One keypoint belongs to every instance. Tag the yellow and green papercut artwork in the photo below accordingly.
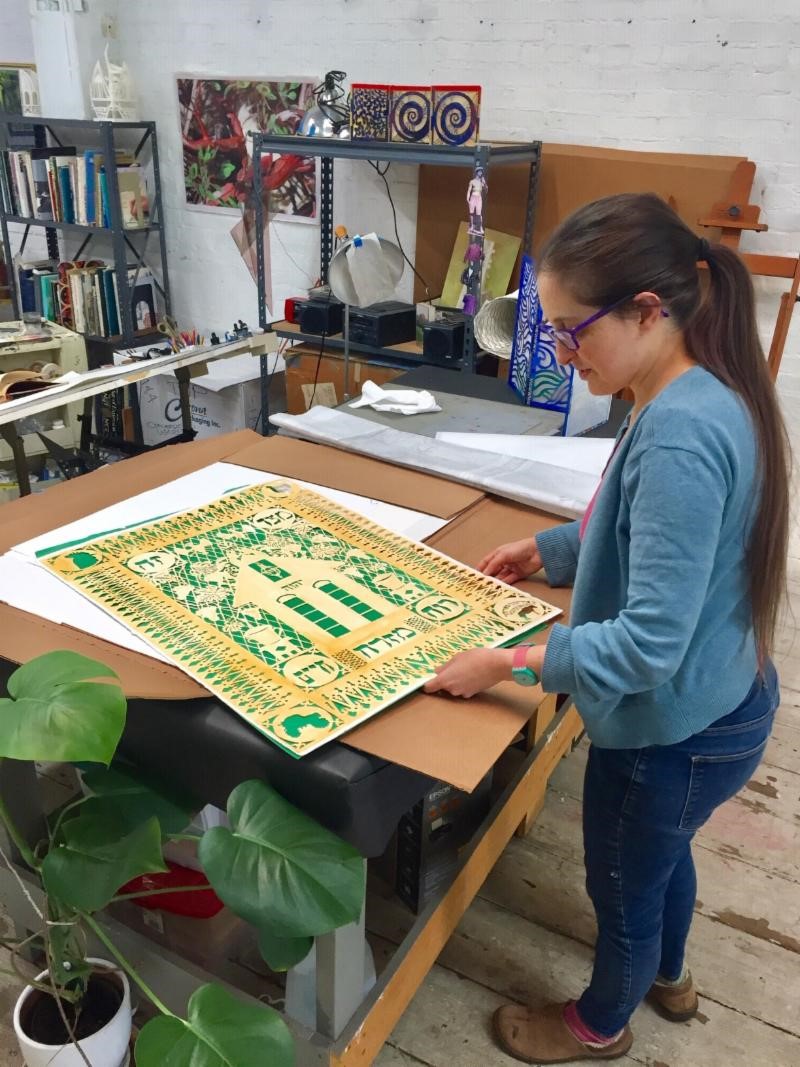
(303, 617)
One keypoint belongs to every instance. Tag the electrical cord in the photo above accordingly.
(319, 357)
(276, 231)
(382, 174)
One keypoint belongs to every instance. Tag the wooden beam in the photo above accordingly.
(788, 301)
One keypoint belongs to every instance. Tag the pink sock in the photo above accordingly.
(579, 1029)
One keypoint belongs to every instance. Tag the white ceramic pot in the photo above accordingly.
(109, 1047)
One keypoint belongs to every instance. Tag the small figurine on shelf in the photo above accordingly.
(215, 339)
(476, 190)
(239, 330)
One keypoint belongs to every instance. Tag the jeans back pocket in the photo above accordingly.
(715, 779)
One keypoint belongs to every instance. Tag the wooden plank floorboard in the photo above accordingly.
(495, 956)
(448, 1025)
(736, 968)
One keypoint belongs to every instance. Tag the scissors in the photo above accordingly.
(169, 326)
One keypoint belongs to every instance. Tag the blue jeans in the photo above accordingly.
(641, 809)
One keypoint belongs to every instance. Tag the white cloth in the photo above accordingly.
(401, 401)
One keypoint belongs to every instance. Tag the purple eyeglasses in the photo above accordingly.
(567, 337)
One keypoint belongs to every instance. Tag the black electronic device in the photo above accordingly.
(432, 836)
(381, 325)
(320, 316)
(443, 341)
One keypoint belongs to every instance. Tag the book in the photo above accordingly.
(132, 196)
(112, 313)
(27, 179)
(28, 283)
(76, 299)
(65, 187)
(43, 205)
(91, 210)
(9, 190)
(20, 186)
(48, 296)
(104, 215)
(79, 190)
(100, 299)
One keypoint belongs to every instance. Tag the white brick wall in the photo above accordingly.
(717, 76)
(16, 39)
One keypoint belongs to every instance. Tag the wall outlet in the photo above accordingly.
(108, 25)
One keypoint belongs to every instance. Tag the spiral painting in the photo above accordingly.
(456, 114)
(410, 114)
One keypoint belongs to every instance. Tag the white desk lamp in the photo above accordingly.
(363, 271)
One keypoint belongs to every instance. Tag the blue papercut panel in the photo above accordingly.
(535, 374)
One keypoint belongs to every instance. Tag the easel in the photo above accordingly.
(733, 216)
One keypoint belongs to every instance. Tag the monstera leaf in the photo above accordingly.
(281, 953)
(99, 855)
(134, 799)
(57, 711)
(221, 1031)
(279, 869)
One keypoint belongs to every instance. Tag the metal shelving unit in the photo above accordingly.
(124, 244)
(482, 155)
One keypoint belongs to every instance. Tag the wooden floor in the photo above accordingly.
(529, 935)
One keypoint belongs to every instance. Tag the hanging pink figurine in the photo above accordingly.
(476, 190)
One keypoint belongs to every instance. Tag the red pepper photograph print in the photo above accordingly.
(217, 116)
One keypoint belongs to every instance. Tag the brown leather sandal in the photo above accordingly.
(541, 1036)
(677, 1003)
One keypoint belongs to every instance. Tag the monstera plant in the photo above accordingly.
(274, 867)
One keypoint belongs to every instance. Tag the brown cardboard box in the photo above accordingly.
(453, 740)
(301, 373)
(204, 941)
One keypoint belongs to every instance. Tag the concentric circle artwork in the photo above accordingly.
(410, 117)
(456, 112)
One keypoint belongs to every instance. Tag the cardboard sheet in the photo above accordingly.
(480, 524)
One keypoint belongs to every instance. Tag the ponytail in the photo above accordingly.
(634, 242)
(722, 337)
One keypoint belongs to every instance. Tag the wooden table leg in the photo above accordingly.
(14, 442)
(536, 727)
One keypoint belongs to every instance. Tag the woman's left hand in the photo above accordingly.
(471, 672)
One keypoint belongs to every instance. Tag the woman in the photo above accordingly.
(678, 568)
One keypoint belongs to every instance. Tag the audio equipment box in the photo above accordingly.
(380, 325)
(443, 341)
(320, 316)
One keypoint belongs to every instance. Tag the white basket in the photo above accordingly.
(494, 325)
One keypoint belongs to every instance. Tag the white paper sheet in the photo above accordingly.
(586, 454)
(540, 485)
(26, 585)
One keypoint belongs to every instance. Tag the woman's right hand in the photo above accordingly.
(512, 562)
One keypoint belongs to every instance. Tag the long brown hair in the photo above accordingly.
(632, 243)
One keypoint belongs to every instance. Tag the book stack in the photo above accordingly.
(65, 185)
(85, 296)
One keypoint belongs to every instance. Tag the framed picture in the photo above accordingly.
(19, 89)
(217, 116)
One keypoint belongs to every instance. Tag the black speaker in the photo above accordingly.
(443, 341)
(320, 316)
